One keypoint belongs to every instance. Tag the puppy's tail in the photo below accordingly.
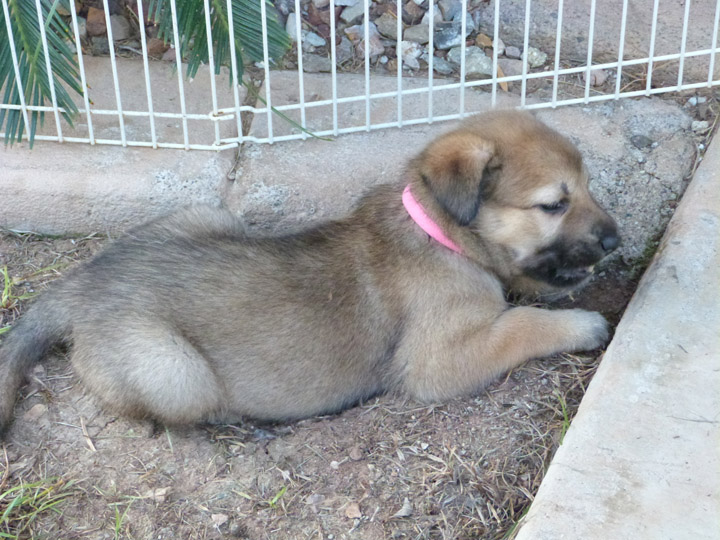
(45, 323)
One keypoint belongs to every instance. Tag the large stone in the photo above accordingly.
(419, 34)
(447, 34)
(387, 25)
(95, 22)
(120, 27)
(477, 64)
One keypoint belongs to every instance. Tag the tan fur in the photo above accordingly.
(188, 319)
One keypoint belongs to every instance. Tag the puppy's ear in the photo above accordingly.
(453, 168)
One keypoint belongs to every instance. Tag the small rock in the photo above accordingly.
(156, 47)
(536, 57)
(387, 25)
(96, 22)
(513, 52)
(334, 465)
(447, 35)
(99, 46)
(641, 141)
(384, 59)
(477, 64)
(314, 499)
(352, 511)
(120, 27)
(35, 412)
(435, 13)
(169, 55)
(699, 126)
(695, 100)
(419, 34)
(411, 51)
(285, 7)
(510, 67)
(347, 2)
(344, 51)
(442, 66)
(412, 13)
(483, 40)
(597, 77)
(82, 27)
(357, 35)
(313, 39)
(353, 14)
(320, 3)
(469, 23)
(356, 453)
(291, 26)
(450, 9)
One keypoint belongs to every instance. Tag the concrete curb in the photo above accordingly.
(641, 458)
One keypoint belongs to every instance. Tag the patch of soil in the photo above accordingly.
(390, 468)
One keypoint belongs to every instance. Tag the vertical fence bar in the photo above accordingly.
(621, 49)
(431, 58)
(211, 66)
(81, 65)
(266, 65)
(16, 67)
(711, 70)
(558, 45)
(301, 74)
(496, 40)
(333, 68)
(178, 64)
(683, 45)
(398, 55)
(651, 53)
(366, 28)
(146, 67)
(526, 44)
(463, 46)
(116, 82)
(233, 69)
(591, 37)
(48, 67)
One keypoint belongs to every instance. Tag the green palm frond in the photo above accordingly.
(247, 31)
(31, 61)
(193, 47)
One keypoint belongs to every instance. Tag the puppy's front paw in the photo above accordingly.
(591, 329)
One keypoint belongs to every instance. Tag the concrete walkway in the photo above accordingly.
(641, 460)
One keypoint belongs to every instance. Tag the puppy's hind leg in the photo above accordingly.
(149, 371)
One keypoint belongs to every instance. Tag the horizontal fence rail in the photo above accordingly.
(131, 99)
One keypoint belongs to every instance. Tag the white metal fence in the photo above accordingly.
(660, 46)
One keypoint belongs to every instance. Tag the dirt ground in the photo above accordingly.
(390, 468)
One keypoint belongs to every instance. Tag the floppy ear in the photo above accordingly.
(453, 168)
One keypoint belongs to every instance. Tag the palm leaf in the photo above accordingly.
(247, 31)
(25, 30)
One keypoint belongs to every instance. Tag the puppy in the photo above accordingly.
(188, 319)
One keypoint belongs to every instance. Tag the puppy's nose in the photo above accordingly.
(609, 241)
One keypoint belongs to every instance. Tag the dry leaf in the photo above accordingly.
(406, 509)
(158, 495)
(219, 519)
(352, 511)
(503, 84)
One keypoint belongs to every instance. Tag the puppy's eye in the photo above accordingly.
(557, 207)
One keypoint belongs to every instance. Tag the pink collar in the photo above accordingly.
(419, 216)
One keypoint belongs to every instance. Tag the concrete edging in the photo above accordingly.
(641, 458)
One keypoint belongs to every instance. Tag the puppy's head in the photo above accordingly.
(521, 190)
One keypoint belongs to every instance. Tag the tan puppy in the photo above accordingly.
(187, 319)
